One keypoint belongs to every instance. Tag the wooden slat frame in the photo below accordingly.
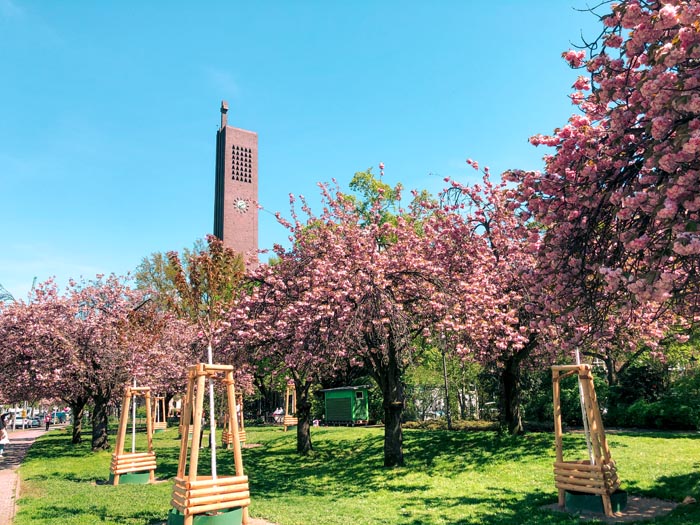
(290, 406)
(598, 478)
(193, 494)
(126, 462)
(159, 408)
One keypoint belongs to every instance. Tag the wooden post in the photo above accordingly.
(121, 432)
(556, 387)
(241, 419)
(197, 423)
(185, 421)
(187, 397)
(233, 422)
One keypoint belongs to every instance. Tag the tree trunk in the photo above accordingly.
(611, 372)
(388, 374)
(100, 424)
(393, 434)
(303, 414)
(511, 416)
(447, 392)
(168, 398)
(77, 409)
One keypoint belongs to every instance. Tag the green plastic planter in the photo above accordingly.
(584, 502)
(223, 517)
(132, 478)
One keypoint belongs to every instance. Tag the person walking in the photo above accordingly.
(47, 420)
(4, 436)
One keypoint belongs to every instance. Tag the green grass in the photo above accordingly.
(461, 478)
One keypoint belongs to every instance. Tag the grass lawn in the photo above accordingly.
(459, 478)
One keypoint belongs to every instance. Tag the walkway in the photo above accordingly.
(20, 441)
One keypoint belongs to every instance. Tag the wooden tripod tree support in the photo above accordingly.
(290, 406)
(596, 475)
(227, 434)
(194, 494)
(159, 413)
(128, 462)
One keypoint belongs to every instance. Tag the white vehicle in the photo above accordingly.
(26, 422)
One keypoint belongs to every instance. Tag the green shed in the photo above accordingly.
(348, 405)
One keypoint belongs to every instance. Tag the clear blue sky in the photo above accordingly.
(109, 110)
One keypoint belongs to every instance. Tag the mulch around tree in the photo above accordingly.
(638, 508)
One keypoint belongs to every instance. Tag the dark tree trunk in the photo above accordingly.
(77, 409)
(100, 424)
(388, 374)
(266, 393)
(511, 416)
(303, 415)
(393, 434)
(610, 365)
(167, 399)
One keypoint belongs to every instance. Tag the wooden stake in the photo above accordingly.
(558, 440)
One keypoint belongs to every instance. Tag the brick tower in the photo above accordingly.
(236, 190)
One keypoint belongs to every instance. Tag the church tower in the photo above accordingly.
(236, 189)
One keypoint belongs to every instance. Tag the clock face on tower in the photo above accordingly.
(241, 205)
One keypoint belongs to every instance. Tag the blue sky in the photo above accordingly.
(109, 110)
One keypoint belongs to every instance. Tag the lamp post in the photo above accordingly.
(447, 392)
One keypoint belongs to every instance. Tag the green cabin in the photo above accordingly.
(348, 405)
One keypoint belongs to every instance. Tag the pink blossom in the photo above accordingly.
(582, 83)
(574, 58)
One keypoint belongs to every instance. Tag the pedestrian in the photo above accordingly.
(4, 437)
(47, 420)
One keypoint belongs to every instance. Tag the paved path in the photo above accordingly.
(20, 441)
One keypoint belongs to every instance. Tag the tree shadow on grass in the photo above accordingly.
(674, 488)
(55, 446)
(503, 507)
(354, 467)
(61, 514)
(662, 434)
(456, 451)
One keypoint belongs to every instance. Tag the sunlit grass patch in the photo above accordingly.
(476, 477)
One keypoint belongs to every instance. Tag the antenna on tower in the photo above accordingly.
(224, 110)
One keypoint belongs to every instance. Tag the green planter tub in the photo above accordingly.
(583, 502)
(223, 517)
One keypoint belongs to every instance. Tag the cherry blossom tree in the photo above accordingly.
(515, 302)
(40, 352)
(161, 346)
(35, 346)
(104, 359)
(619, 199)
(77, 347)
(292, 321)
(368, 285)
